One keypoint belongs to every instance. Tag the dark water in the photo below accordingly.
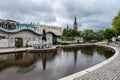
(51, 66)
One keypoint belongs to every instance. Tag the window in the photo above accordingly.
(12, 39)
(34, 39)
(25, 38)
(2, 37)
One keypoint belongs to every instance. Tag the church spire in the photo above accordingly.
(75, 26)
(75, 20)
(67, 27)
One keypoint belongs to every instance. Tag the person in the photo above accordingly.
(27, 43)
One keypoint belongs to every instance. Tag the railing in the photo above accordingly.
(41, 46)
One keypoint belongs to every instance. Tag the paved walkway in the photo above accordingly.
(110, 71)
(8, 50)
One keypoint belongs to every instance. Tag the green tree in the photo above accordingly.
(66, 32)
(69, 34)
(109, 33)
(99, 36)
(87, 35)
(75, 33)
(116, 23)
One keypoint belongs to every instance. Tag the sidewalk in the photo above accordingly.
(110, 71)
(9, 50)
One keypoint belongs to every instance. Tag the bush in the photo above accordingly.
(93, 41)
(64, 43)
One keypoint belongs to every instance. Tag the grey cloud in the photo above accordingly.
(25, 6)
(90, 13)
(19, 9)
(95, 12)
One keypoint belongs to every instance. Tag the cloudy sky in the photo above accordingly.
(91, 14)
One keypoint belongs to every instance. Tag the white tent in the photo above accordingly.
(118, 36)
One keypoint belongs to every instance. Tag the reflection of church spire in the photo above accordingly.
(75, 56)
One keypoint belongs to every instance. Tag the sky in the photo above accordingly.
(91, 14)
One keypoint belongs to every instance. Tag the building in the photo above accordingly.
(19, 38)
(54, 29)
(26, 26)
(8, 24)
(75, 25)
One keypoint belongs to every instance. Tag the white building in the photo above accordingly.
(54, 29)
(22, 37)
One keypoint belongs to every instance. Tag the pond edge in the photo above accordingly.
(78, 74)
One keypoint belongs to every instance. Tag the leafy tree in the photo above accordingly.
(109, 33)
(66, 33)
(69, 34)
(87, 35)
(99, 35)
(116, 23)
(74, 33)
(66, 38)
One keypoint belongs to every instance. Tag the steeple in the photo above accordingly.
(75, 25)
(67, 27)
(75, 22)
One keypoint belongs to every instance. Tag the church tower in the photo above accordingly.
(67, 27)
(75, 25)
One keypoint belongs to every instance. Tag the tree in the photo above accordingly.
(99, 36)
(74, 33)
(116, 23)
(109, 33)
(69, 34)
(87, 35)
(66, 32)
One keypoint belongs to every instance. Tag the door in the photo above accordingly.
(18, 42)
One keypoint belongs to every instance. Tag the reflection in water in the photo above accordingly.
(17, 59)
(75, 56)
(24, 60)
(18, 56)
(44, 57)
(74, 50)
(52, 66)
(25, 70)
(107, 52)
(88, 50)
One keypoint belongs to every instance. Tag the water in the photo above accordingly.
(51, 66)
